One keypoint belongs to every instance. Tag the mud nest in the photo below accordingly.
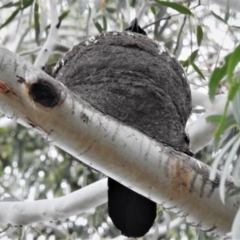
(133, 79)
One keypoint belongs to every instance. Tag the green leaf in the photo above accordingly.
(104, 23)
(10, 4)
(178, 7)
(215, 79)
(198, 70)
(111, 10)
(233, 62)
(214, 119)
(236, 107)
(157, 29)
(98, 26)
(223, 124)
(21, 5)
(218, 17)
(133, 3)
(4, 130)
(11, 17)
(193, 56)
(153, 10)
(220, 128)
(199, 35)
(63, 15)
(235, 26)
(226, 122)
(232, 92)
(227, 13)
(190, 59)
(230, 121)
(26, 3)
(36, 21)
(234, 192)
(217, 75)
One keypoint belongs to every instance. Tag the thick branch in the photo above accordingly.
(173, 179)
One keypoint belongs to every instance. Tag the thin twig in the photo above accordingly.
(158, 20)
(169, 17)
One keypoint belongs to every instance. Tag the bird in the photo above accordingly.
(134, 79)
(136, 28)
(132, 213)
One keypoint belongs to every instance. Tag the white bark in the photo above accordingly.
(23, 213)
(48, 46)
(172, 179)
(201, 132)
(7, 123)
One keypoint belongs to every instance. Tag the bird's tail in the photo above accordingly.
(130, 212)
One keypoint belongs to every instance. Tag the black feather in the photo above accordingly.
(135, 28)
(130, 212)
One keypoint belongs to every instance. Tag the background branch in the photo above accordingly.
(48, 46)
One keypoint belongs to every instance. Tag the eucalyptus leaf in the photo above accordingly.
(233, 91)
(190, 59)
(178, 7)
(10, 4)
(198, 70)
(234, 192)
(217, 75)
(218, 17)
(11, 17)
(27, 3)
(199, 35)
(36, 21)
(64, 14)
(214, 119)
(98, 26)
(111, 10)
(104, 23)
(236, 107)
(233, 62)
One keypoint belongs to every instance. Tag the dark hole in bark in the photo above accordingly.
(44, 93)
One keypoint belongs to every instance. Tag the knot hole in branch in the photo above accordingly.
(44, 93)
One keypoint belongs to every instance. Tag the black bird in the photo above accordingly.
(130, 212)
(136, 28)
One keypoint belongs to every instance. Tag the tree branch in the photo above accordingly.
(174, 180)
(201, 132)
(23, 213)
(48, 46)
